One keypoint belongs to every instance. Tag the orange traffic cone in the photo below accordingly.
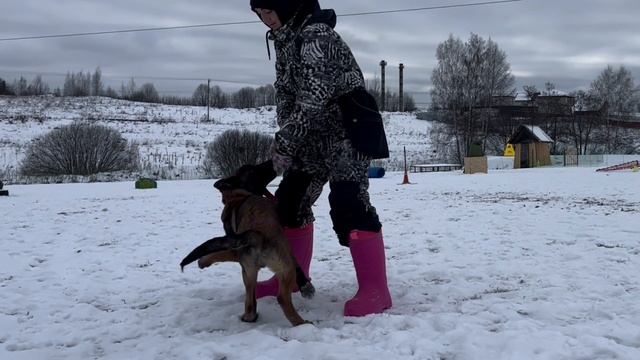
(405, 181)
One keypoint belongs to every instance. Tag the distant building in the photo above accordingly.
(532, 146)
(546, 104)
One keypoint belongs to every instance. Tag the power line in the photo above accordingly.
(145, 77)
(483, 3)
(164, 28)
(127, 31)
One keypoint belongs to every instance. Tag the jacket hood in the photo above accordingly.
(326, 16)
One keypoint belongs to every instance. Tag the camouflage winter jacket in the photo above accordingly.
(314, 67)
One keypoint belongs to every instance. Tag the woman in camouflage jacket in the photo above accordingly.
(314, 68)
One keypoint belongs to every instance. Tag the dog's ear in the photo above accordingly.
(266, 172)
(261, 175)
(224, 184)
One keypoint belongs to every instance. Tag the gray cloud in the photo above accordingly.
(567, 42)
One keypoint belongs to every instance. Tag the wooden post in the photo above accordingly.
(383, 95)
(401, 92)
(208, 97)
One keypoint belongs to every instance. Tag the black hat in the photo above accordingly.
(287, 9)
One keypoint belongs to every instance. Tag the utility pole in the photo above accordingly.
(383, 96)
(208, 97)
(401, 92)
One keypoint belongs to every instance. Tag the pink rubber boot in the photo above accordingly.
(301, 241)
(373, 297)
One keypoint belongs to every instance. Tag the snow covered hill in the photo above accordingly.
(170, 136)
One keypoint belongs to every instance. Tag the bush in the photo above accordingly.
(80, 149)
(235, 148)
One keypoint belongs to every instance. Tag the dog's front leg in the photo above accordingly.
(287, 280)
(250, 278)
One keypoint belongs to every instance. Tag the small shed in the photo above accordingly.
(532, 146)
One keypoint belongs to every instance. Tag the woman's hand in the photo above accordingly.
(280, 162)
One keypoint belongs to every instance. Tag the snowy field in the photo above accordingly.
(527, 264)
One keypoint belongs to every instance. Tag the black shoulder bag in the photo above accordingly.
(363, 122)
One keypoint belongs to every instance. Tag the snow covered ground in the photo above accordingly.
(526, 264)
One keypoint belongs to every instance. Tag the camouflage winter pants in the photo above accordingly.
(347, 173)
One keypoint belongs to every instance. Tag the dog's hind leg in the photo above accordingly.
(250, 278)
(287, 280)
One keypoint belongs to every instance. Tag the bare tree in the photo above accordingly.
(5, 89)
(549, 87)
(127, 91)
(20, 87)
(586, 119)
(110, 92)
(374, 87)
(201, 95)
(531, 91)
(77, 84)
(96, 83)
(219, 99)
(244, 98)
(37, 87)
(615, 89)
(146, 93)
(466, 80)
(265, 95)
(448, 82)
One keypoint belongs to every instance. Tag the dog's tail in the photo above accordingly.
(211, 246)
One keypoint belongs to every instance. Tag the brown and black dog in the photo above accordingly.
(255, 239)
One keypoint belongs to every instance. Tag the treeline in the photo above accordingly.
(473, 99)
(91, 84)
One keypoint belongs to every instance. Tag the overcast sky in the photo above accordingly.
(567, 42)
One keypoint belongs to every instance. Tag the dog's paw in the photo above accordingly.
(250, 318)
(304, 322)
(308, 291)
